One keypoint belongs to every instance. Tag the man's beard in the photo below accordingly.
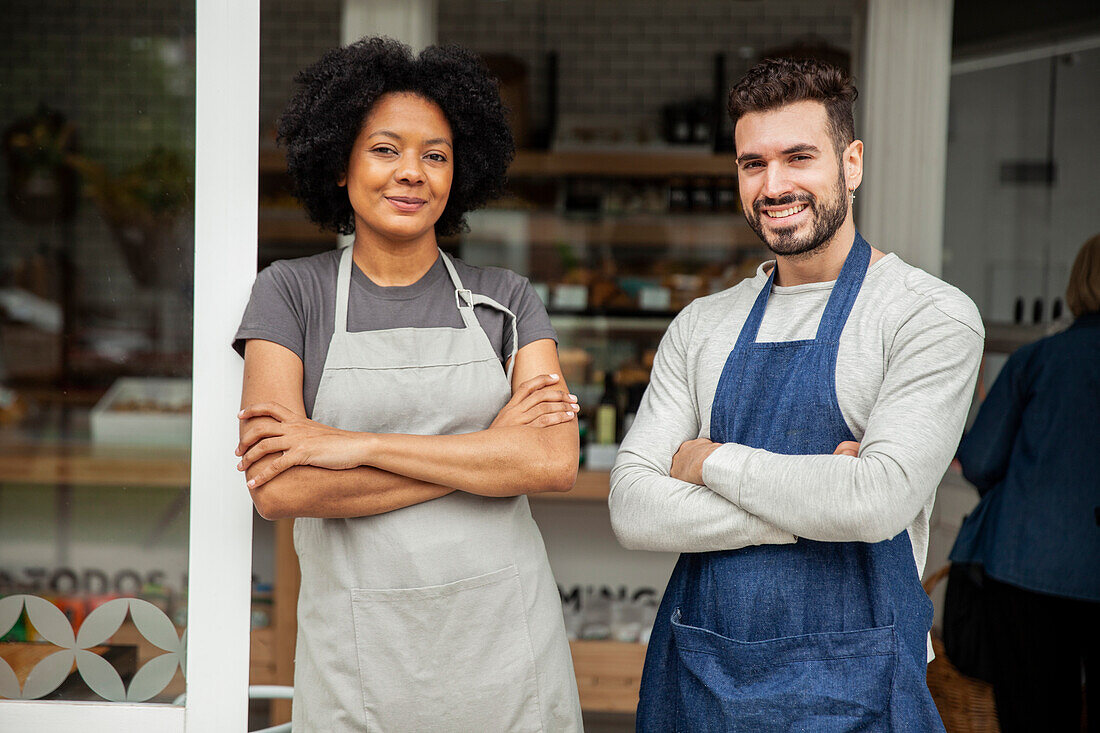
(827, 218)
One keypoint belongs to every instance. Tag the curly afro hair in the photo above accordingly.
(326, 113)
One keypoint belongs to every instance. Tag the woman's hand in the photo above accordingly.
(847, 448)
(299, 440)
(538, 403)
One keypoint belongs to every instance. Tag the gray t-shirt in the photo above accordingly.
(293, 304)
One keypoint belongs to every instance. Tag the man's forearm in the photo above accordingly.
(652, 511)
(829, 498)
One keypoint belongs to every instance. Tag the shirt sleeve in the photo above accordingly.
(274, 312)
(911, 436)
(985, 450)
(650, 510)
(532, 320)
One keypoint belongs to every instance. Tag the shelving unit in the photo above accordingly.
(624, 163)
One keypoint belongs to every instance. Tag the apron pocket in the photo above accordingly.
(835, 681)
(447, 657)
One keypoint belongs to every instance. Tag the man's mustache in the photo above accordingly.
(782, 201)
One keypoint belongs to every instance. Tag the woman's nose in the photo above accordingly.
(410, 170)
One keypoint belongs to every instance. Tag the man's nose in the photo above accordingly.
(776, 182)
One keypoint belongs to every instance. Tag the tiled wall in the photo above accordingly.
(123, 71)
(619, 62)
(293, 34)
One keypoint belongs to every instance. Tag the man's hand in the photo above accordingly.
(687, 464)
(847, 448)
(538, 403)
(299, 440)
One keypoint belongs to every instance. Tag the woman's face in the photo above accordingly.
(400, 171)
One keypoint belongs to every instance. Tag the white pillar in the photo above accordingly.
(904, 96)
(409, 21)
(227, 106)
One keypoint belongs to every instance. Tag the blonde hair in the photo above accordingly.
(1083, 291)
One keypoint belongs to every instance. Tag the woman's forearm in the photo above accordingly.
(307, 491)
(505, 461)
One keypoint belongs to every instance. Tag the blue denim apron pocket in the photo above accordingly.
(823, 682)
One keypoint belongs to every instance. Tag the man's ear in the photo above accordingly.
(853, 164)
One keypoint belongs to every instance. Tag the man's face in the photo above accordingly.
(794, 186)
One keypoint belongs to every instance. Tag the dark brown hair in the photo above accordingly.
(775, 83)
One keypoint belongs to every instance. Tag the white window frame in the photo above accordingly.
(220, 563)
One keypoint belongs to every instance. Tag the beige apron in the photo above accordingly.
(442, 616)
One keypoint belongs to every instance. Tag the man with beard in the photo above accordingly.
(790, 444)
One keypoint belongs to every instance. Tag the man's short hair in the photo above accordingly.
(775, 83)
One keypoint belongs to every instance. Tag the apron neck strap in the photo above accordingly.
(841, 299)
(466, 300)
(845, 290)
(343, 288)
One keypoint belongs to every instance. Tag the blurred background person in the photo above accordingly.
(1034, 455)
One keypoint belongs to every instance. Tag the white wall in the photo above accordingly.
(1007, 240)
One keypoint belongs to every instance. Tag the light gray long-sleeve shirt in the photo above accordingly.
(905, 373)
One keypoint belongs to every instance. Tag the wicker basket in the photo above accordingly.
(965, 704)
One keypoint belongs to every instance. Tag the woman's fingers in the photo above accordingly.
(273, 468)
(550, 413)
(261, 449)
(257, 431)
(526, 389)
(549, 396)
(552, 418)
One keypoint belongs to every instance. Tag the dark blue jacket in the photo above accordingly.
(1034, 454)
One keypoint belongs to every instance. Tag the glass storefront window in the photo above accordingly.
(97, 136)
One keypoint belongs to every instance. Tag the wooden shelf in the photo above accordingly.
(622, 164)
(642, 163)
(95, 466)
(609, 674)
(591, 486)
(727, 232)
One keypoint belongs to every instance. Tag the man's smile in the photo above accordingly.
(784, 213)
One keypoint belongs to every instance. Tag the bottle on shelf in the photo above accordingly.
(603, 438)
(607, 412)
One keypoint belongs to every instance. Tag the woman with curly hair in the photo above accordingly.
(400, 405)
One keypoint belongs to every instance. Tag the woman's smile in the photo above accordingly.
(409, 204)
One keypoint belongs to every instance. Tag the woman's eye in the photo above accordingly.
(384, 149)
(437, 157)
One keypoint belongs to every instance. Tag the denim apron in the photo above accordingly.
(442, 616)
(812, 636)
